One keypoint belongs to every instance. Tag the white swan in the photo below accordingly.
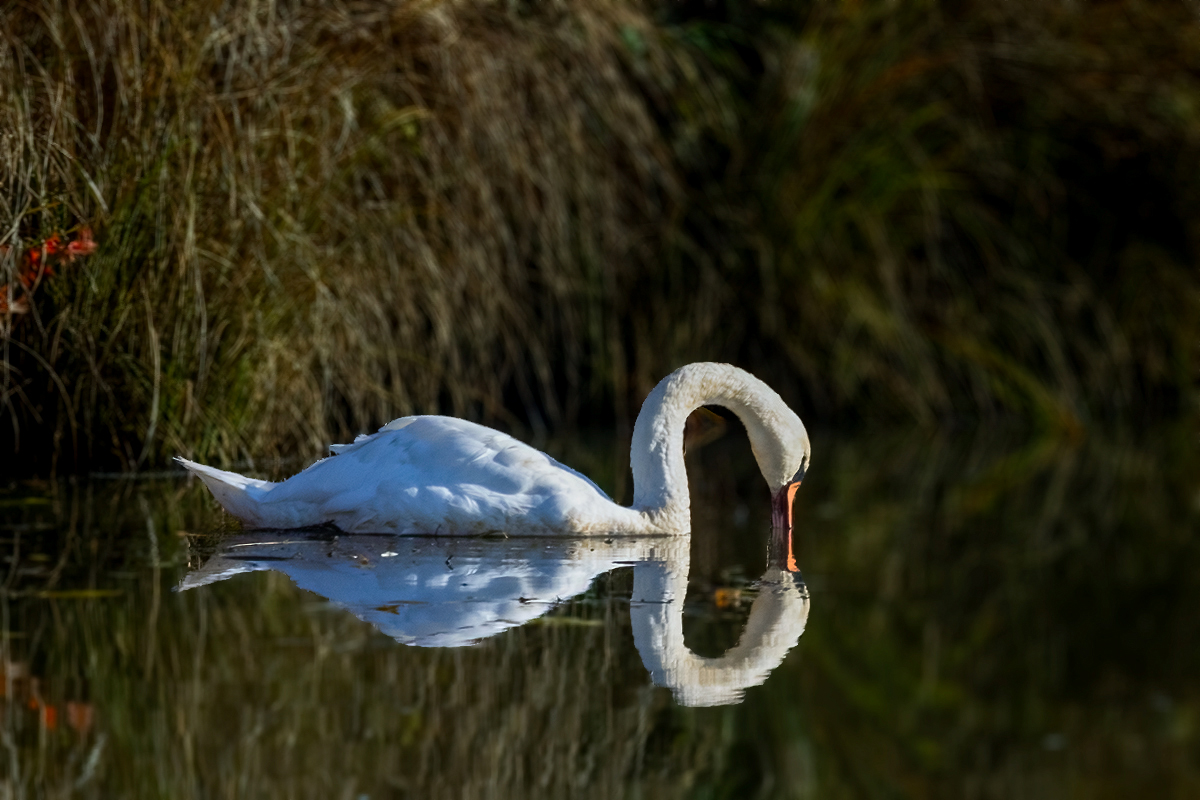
(431, 474)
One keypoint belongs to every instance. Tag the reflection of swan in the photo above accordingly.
(777, 618)
(453, 592)
(432, 474)
(432, 592)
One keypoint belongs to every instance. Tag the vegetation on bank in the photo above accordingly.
(314, 217)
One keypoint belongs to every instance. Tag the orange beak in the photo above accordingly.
(780, 553)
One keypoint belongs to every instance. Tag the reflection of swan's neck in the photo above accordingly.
(776, 434)
(776, 621)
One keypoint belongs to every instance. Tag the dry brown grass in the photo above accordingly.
(315, 218)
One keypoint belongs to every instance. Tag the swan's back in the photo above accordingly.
(433, 474)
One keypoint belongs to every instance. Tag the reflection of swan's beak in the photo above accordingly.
(780, 553)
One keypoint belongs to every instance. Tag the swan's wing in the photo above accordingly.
(490, 442)
(423, 473)
(365, 438)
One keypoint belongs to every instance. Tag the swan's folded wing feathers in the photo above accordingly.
(365, 438)
(421, 474)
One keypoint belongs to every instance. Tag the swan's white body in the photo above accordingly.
(431, 474)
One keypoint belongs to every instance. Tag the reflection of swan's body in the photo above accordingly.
(433, 592)
(454, 592)
(430, 474)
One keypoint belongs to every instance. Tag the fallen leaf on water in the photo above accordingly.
(727, 598)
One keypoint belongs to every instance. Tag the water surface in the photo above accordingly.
(989, 614)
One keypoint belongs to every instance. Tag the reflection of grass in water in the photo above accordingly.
(336, 709)
(1003, 615)
(990, 615)
(246, 688)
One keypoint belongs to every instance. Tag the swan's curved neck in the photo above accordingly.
(660, 485)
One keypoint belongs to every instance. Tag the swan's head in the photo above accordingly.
(777, 437)
(781, 448)
(784, 464)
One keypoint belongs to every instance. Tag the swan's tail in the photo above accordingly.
(239, 495)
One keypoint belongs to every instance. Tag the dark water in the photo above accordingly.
(988, 615)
